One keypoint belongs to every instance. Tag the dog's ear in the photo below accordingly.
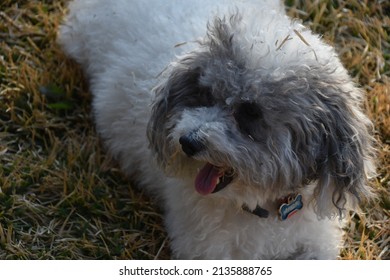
(345, 159)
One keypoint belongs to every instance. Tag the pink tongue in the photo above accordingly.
(207, 178)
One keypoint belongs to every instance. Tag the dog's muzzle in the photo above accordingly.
(210, 178)
(190, 146)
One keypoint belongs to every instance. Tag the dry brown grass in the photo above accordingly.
(61, 197)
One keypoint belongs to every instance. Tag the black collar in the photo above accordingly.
(286, 207)
(260, 212)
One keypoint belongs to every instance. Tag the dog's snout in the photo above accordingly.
(190, 146)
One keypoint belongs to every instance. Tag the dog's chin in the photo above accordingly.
(212, 179)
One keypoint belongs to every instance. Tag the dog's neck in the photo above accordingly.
(258, 211)
(286, 207)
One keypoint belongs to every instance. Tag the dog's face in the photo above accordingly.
(270, 130)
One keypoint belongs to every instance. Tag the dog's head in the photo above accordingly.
(266, 112)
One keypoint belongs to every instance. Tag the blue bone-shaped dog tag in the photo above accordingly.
(286, 210)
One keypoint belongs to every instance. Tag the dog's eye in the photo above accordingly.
(249, 111)
(204, 97)
(247, 116)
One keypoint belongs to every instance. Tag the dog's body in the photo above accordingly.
(242, 108)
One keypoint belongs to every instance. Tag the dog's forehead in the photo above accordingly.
(255, 87)
(230, 82)
(247, 65)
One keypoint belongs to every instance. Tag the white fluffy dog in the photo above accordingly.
(240, 119)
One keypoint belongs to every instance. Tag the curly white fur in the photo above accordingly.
(184, 90)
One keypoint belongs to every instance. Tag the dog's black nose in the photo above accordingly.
(190, 146)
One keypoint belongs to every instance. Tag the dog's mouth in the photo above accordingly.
(212, 179)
